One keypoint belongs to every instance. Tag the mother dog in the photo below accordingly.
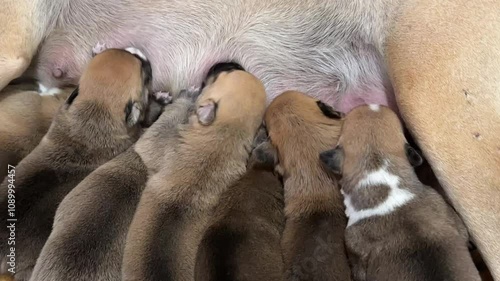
(441, 58)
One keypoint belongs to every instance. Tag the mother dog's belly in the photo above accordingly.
(324, 52)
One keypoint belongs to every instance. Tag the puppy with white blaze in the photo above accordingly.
(398, 229)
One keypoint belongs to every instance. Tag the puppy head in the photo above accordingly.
(117, 80)
(370, 135)
(300, 127)
(232, 97)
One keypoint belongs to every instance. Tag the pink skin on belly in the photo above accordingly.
(372, 95)
(168, 77)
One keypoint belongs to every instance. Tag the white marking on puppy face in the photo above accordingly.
(137, 52)
(397, 197)
(374, 107)
(44, 91)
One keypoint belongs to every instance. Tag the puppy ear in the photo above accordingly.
(333, 159)
(261, 136)
(206, 112)
(413, 156)
(133, 112)
(265, 154)
(328, 111)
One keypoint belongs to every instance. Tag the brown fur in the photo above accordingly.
(423, 239)
(243, 240)
(447, 80)
(88, 130)
(313, 240)
(445, 68)
(97, 235)
(177, 203)
(5, 277)
(25, 117)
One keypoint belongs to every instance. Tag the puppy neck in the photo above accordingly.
(378, 191)
(93, 130)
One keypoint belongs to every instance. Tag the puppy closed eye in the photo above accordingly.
(328, 111)
(333, 159)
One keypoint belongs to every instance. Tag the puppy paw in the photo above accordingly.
(163, 98)
(98, 48)
(44, 91)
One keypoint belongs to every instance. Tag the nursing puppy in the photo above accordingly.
(97, 122)
(243, 240)
(398, 228)
(91, 223)
(344, 52)
(301, 127)
(25, 117)
(212, 154)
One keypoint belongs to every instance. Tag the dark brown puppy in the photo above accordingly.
(177, 204)
(398, 228)
(25, 117)
(98, 121)
(243, 240)
(301, 127)
(91, 224)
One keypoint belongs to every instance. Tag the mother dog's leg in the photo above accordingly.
(23, 23)
(444, 60)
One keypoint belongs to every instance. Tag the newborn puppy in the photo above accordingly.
(243, 240)
(398, 228)
(99, 120)
(300, 127)
(25, 117)
(92, 222)
(178, 202)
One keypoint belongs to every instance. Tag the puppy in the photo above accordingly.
(87, 243)
(243, 240)
(177, 204)
(25, 117)
(300, 127)
(398, 228)
(99, 120)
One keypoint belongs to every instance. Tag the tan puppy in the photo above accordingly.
(177, 204)
(313, 241)
(25, 117)
(92, 221)
(243, 240)
(398, 228)
(98, 121)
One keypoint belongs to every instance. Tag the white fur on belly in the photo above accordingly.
(397, 197)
